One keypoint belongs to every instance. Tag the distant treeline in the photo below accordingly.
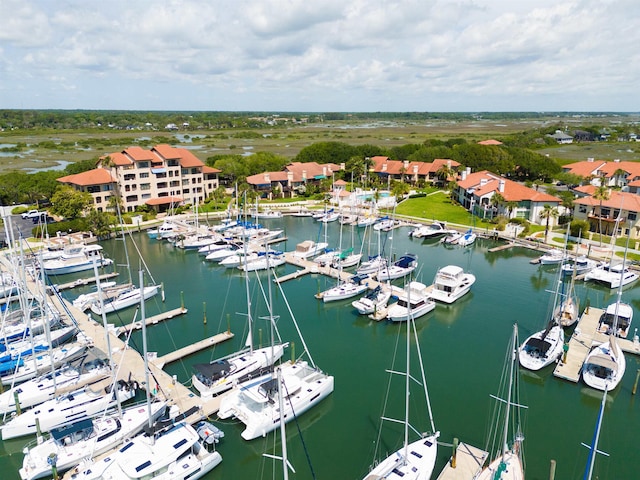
(197, 120)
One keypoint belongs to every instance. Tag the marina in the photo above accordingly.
(462, 346)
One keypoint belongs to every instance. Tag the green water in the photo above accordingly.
(463, 348)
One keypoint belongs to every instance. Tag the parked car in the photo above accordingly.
(43, 218)
(32, 214)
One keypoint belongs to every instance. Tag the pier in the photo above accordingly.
(81, 282)
(176, 312)
(584, 338)
(468, 461)
(160, 362)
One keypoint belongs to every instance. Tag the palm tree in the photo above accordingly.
(619, 175)
(511, 206)
(548, 212)
(601, 193)
(497, 201)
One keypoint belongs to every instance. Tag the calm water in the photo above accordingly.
(463, 348)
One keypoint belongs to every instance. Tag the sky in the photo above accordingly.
(321, 55)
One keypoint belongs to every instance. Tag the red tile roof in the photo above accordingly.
(163, 200)
(584, 169)
(490, 142)
(513, 191)
(207, 169)
(617, 200)
(139, 154)
(98, 176)
(167, 151)
(119, 159)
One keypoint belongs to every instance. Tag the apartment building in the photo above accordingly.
(161, 177)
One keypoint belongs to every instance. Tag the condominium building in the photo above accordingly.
(161, 177)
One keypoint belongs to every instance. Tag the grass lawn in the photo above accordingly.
(438, 206)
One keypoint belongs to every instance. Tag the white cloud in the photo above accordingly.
(330, 55)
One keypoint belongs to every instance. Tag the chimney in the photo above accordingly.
(483, 182)
(590, 159)
(415, 169)
(324, 171)
(384, 167)
(468, 170)
(448, 163)
(304, 175)
(289, 178)
(464, 175)
(501, 186)
(405, 164)
(267, 178)
(342, 166)
(617, 160)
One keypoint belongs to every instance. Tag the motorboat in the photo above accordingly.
(373, 301)
(220, 254)
(267, 214)
(452, 238)
(89, 254)
(579, 265)
(366, 220)
(255, 403)
(355, 285)
(239, 258)
(309, 248)
(612, 276)
(413, 302)
(401, 268)
(552, 257)
(435, 229)
(329, 217)
(385, 224)
(542, 348)
(451, 283)
(212, 247)
(624, 314)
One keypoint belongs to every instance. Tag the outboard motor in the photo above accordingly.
(209, 433)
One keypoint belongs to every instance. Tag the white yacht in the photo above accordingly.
(579, 265)
(271, 259)
(451, 283)
(552, 257)
(605, 366)
(309, 248)
(255, 403)
(413, 301)
(125, 298)
(435, 229)
(612, 276)
(467, 238)
(71, 263)
(373, 265)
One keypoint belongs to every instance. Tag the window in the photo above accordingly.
(174, 183)
(172, 163)
(185, 182)
(98, 200)
(582, 209)
(145, 186)
(162, 185)
(632, 216)
(130, 176)
(184, 171)
(605, 212)
(185, 190)
(146, 195)
(144, 175)
(143, 164)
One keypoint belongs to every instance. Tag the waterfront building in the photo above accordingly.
(161, 177)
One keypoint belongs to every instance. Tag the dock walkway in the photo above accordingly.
(468, 462)
(584, 338)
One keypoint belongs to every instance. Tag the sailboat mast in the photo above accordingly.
(246, 283)
(594, 443)
(514, 347)
(144, 345)
(283, 435)
(407, 377)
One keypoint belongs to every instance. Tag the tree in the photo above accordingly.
(497, 201)
(619, 176)
(69, 202)
(601, 194)
(100, 223)
(548, 212)
(398, 190)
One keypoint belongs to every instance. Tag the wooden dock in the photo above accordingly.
(502, 247)
(151, 320)
(468, 461)
(161, 361)
(85, 281)
(584, 338)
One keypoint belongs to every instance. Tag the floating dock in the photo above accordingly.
(81, 282)
(584, 338)
(468, 462)
(160, 362)
(155, 319)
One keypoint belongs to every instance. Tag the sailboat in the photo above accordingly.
(593, 448)
(545, 346)
(129, 295)
(222, 374)
(255, 402)
(508, 464)
(88, 438)
(171, 450)
(605, 365)
(414, 460)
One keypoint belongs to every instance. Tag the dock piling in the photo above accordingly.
(635, 384)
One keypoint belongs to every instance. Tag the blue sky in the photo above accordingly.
(321, 55)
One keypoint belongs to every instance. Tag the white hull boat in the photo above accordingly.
(309, 248)
(28, 368)
(125, 299)
(219, 376)
(72, 407)
(255, 403)
(372, 266)
(269, 260)
(552, 257)
(605, 366)
(86, 439)
(373, 301)
(542, 348)
(451, 283)
(624, 313)
(414, 302)
(71, 264)
(612, 276)
(177, 453)
(350, 288)
(468, 238)
(403, 267)
(238, 259)
(580, 266)
(436, 229)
